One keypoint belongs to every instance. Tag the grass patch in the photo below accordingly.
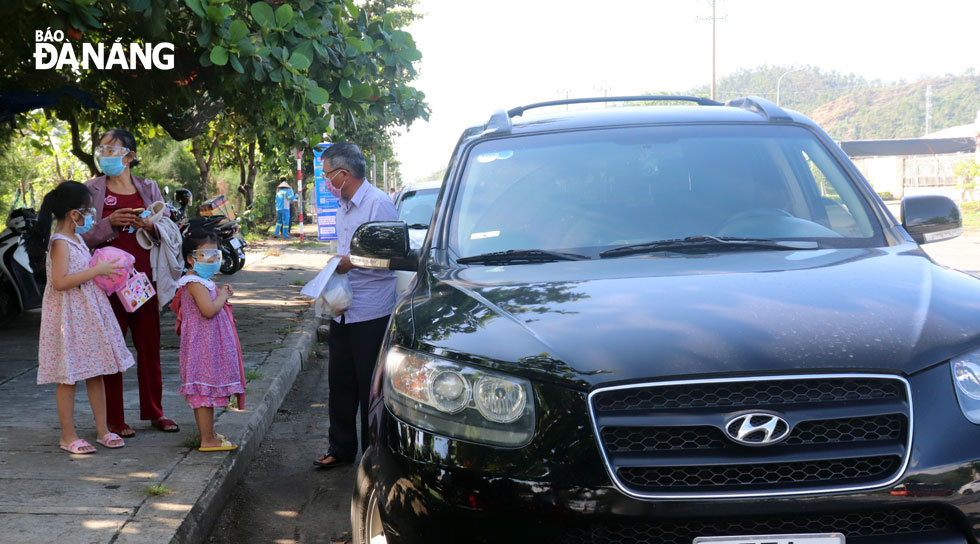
(252, 375)
(157, 490)
(273, 252)
(971, 215)
(192, 441)
(298, 283)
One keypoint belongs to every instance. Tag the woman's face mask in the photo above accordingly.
(111, 159)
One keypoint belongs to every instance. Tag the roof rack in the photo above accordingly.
(760, 106)
(518, 111)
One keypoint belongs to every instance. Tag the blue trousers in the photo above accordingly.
(282, 222)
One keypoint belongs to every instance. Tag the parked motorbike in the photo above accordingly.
(20, 287)
(230, 243)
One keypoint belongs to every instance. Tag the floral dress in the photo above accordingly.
(80, 337)
(210, 355)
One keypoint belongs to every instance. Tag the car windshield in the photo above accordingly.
(587, 192)
(416, 207)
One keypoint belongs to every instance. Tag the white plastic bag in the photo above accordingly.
(335, 299)
(332, 291)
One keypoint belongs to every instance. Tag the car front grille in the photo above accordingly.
(869, 526)
(673, 439)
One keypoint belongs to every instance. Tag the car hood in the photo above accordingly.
(674, 315)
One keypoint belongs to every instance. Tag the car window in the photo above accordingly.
(416, 207)
(592, 190)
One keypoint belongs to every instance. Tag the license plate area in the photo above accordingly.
(820, 538)
(235, 243)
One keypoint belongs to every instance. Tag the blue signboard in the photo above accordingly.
(326, 203)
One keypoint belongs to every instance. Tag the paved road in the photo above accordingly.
(47, 495)
(282, 498)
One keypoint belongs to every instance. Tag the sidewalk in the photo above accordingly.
(157, 488)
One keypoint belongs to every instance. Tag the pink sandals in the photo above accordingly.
(77, 447)
(109, 438)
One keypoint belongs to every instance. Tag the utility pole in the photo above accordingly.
(565, 92)
(604, 91)
(713, 19)
(780, 80)
(928, 109)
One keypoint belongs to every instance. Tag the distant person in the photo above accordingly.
(392, 192)
(284, 196)
(79, 337)
(355, 338)
(211, 368)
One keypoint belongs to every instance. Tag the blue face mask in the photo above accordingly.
(112, 166)
(206, 270)
(83, 228)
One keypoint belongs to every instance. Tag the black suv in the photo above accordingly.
(671, 324)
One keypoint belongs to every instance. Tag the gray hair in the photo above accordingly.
(346, 155)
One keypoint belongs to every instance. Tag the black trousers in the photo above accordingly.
(354, 350)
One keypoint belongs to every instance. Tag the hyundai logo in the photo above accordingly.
(757, 429)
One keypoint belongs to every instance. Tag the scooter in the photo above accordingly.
(20, 287)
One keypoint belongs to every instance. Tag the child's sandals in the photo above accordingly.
(79, 447)
(111, 441)
(226, 445)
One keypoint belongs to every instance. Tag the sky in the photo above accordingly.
(483, 55)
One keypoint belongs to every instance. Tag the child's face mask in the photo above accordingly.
(207, 262)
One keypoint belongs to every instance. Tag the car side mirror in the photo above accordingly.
(384, 245)
(931, 218)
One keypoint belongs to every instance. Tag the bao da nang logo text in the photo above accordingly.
(98, 56)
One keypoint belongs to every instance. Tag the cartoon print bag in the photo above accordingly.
(137, 290)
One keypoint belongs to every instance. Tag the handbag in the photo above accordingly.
(137, 290)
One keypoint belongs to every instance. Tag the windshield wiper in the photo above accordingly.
(706, 241)
(522, 255)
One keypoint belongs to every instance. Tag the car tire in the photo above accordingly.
(365, 515)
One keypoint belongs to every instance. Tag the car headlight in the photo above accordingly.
(459, 401)
(966, 376)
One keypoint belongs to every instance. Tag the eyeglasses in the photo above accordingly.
(207, 255)
(110, 151)
(86, 211)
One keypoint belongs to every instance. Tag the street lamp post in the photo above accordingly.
(780, 80)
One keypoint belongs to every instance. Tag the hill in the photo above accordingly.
(849, 107)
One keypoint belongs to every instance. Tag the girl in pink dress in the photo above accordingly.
(211, 368)
(80, 339)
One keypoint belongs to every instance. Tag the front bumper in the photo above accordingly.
(433, 489)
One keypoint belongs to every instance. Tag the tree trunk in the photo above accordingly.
(203, 164)
(76, 144)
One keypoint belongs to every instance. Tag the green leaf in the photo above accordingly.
(275, 75)
(305, 4)
(245, 46)
(345, 89)
(262, 13)
(410, 55)
(237, 30)
(317, 95)
(284, 14)
(195, 6)
(205, 59)
(215, 15)
(204, 38)
(236, 64)
(320, 50)
(304, 29)
(219, 55)
(361, 91)
(139, 5)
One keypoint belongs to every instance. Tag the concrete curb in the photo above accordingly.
(296, 351)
